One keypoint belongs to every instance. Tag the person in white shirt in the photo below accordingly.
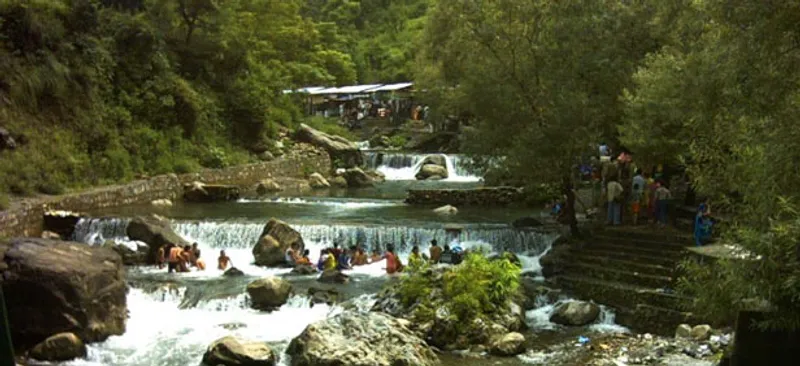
(614, 195)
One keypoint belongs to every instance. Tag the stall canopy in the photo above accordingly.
(390, 87)
(306, 90)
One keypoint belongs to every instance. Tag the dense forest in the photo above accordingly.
(103, 90)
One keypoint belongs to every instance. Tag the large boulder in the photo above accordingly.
(428, 171)
(323, 296)
(233, 272)
(439, 160)
(229, 351)
(155, 231)
(54, 286)
(303, 270)
(339, 148)
(510, 344)
(275, 239)
(129, 256)
(357, 178)
(267, 186)
(201, 192)
(317, 181)
(60, 347)
(446, 210)
(269, 293)
(333, 276)
(339, 182)
(360, 339)
(575, 313)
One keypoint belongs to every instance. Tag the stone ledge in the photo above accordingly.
(488, 196)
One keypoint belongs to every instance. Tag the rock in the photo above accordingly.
(62, 222)
(439, 160)
(510, 344)
(50, 235)
(339, 148)
(435, 177)
(129, 256)
(201, 192)
(511, 256)
(275, 239)
(446, 210)
(54, 286)
(333, 276)
(267, 186)
(339, 182)
(323, 296)
(303, 270)
(269, 293)
(60, 347)
(360, 339)
(483, 197)
(7, 141)
(357, 178)
(701, 332)
(317, 181)
(266, 156)
(683, 331)
(430, 170)
(155, 231)
(377, 177)
(233, 272)
(162, 203)
(229, 351)
(575, 313)
(526, 222)
(380, 141)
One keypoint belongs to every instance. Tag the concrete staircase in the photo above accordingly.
(632, 269)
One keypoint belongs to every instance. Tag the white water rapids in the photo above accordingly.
(404, 166)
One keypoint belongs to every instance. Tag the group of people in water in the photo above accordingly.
(182, 259)
(336, 258)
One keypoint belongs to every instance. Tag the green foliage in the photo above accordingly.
(538, 80)
(4, 201)
(108, 90)
(476, 288)
(767, 268)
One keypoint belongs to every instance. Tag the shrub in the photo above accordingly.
(4, 201)
(330, 126)
(184, 166)
(476, 288)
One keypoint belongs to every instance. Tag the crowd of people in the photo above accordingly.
(180, 259)
(337, 258)
(628, 192)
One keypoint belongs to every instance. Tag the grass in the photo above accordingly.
(330, 126)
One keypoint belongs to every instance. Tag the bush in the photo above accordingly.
(4, 201)
(185, 166)
(330, 126)
(476, 288)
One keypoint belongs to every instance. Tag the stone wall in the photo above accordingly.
(489, 196)
(26, 218)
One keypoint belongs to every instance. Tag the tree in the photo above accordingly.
(192, 12)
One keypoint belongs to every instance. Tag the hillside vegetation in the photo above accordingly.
(101, 91)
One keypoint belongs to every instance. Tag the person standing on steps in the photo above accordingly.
(662, 197)
(567, 215)
(614, 195)
(637, 191)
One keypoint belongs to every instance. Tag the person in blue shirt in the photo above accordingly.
(703, 225)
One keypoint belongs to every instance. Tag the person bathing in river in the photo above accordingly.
(393, 263)
(327, 261)
(343, 261)
(197, 262)
(415, 259)
(223, 261)
(336, 251)
(304, 260)
(376, 256)
(359, 258)
(436, 251)
(291, 256)
(174, 259)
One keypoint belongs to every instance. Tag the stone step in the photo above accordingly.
(599, 271)
(644, 318)
(623, 255)
(612, 262)
(648, 233)
(636, 242)
(616, 294)
(655, 252)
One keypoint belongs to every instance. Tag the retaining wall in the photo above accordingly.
(26, 218)
(489, 196)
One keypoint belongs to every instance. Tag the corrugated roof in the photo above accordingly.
(306, 90)
(390, 87)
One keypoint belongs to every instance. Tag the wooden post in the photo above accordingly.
(6, 348)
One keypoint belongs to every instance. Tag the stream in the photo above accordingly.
(173, 318)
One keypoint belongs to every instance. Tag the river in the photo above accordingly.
(173, 318)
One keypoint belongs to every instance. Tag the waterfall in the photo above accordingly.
(221, 235)
(404, 166)
(95, 231)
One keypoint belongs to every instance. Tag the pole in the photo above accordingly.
(6, 348)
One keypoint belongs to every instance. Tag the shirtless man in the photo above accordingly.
(160, 257)
(186, 259)
(175, 254)
(223, 261)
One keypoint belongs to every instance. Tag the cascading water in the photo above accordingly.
(404, 166)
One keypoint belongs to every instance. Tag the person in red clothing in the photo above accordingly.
(393, 263)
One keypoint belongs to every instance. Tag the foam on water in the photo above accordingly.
(539, 318)
(404, 166)
(158, 333)
(349, 204)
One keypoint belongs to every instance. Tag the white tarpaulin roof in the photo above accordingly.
(353, 89)
(307, 90)
(390, 87)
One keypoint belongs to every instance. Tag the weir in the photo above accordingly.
(403, 166)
